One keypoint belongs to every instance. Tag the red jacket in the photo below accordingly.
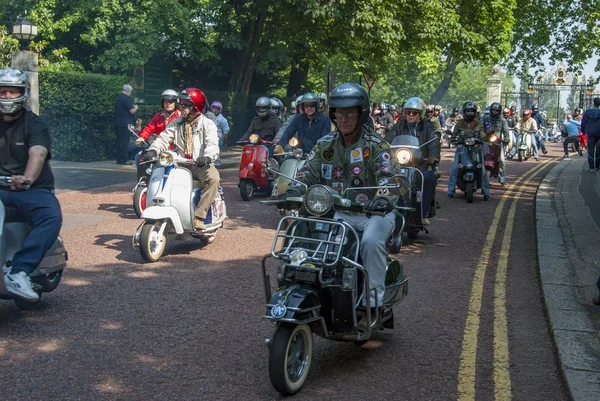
(158, 124)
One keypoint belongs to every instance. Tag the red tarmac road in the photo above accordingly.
(190, 327)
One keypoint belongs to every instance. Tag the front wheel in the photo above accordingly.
(139, 200)
(469, 191)
(152, 245)
(247, 189)
(290, 357)
(24, 304)
(521, 155)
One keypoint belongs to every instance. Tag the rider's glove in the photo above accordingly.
(148, 155)
(203, 161)
(380, 205)
(139, 142)
(432, 160)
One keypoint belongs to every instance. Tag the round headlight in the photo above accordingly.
(298, 153)
(318, 200)
(253, 139)
(403, 156)
(493, 138)
(293, 142)
(165, 159)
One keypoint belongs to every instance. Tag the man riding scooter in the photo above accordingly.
(415, 124)
(311, 125)
(265, 124)
(24, 156)
(498, 125)
(195, 137)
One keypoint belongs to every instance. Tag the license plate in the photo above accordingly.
(306, 276)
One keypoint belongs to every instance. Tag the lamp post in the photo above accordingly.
(27, 61)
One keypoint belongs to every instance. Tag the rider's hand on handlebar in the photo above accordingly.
(203, 161)
(432, 160)
(20, 182)
(148, 155)
(140, 142)
(275, 141)
(380, 205)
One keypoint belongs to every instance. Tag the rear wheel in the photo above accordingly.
(290, 356)
(247, 189)
(24, 304)
(152, 245)
(139, 200)
(50, 281)
(396, 245)
(469, 191)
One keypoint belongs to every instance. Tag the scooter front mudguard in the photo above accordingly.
(294, 304)
(164, 213)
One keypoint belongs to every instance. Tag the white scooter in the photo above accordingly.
(13, 230)
(172, 197)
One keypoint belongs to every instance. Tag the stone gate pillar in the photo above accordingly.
(27, 61)
(494, 85)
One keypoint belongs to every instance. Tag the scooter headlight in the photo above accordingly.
(298, 153)
(403, 156)
(318, 200)
(253, 139)
(165, 159)
(493, 138)
(294, 142)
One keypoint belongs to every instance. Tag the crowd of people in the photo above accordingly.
(347, 139)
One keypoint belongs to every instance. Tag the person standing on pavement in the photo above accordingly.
(195, 137)
(24, 156)
(124, 111)
(590, 126)
(572, 126)
(222, 125)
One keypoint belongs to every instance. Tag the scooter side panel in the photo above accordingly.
(163, 213)
(180, 182)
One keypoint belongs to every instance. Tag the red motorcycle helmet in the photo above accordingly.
(526, 112)
(195, 96)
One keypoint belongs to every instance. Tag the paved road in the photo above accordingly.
(472, 327)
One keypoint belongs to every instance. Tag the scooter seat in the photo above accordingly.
(14, 215)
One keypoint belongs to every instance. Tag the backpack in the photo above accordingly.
(563, 131)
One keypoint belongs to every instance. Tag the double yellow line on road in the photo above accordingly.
(468, 359)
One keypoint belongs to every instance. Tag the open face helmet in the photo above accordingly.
(349, 95)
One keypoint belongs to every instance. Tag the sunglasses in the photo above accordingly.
(186, 105)
(412, 113)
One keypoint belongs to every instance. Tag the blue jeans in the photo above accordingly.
(461, 156)
(540, 142)
(42, 210)
(534, 148)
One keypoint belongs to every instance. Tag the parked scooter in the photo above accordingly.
(172, 198)
(407, 155)
(13, 230)
(253, 173)
(469, 176)
(322, 286)
(491, 154)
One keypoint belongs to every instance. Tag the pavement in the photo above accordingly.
(78, 176)
(568, 237)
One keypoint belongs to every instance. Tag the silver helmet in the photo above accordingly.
(14, 78)
(263, 106)
(415, 103)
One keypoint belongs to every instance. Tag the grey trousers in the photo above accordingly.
(375, 232)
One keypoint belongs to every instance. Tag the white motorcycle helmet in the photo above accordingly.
(15, 78)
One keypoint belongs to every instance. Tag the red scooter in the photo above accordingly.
(253, 173)
(491, 152)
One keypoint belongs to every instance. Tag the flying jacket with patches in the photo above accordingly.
(365, 163)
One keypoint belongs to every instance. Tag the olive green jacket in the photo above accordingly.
(365, 163)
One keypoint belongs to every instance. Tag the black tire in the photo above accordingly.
(139, 200)
(469, 191)
(24, 304)
(521, 155)
(247, 189)
(290, 341)
(396, 245)
(50, 281)
(150, 249)
(412, 235)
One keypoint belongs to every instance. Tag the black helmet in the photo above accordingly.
(349, 95)
(495, 107)
(534, 106)
(469, 106)
(455, 110)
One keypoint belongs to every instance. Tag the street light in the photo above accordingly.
(25, 31)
